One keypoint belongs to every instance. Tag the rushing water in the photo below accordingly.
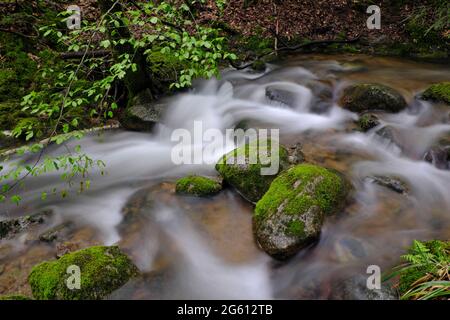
(204, 248)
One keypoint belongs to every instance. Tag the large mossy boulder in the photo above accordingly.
(438, 92)
(240, 170)
(372, 96)
(290, 215)
(102, 270)
(197, 186)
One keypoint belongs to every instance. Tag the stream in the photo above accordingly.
(203, 248)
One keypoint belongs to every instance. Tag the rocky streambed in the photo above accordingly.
(364, 170)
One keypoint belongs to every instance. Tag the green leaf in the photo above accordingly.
(16, 199)
(29, 135)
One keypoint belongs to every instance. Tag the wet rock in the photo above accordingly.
(296, 155)
(241, 168)
(54, 233)
(279, 95)
(355, 288)
(11, 227)
(438, 92)
(394, 184)
(368, 121)
(367, 97)
(259, 66)
(65, 248)
(104, 269)
(290, 215)
(438, 156)
(390, 136)
(6, 140)
(143, 113)
(197, 186)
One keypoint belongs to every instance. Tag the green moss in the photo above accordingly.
(15, 297)
(103, 270)
(245, 176)
(165, 68)
(438, 92)
(296, 228)
(316, 185)
(368, 121)
(18, 69)
(197, 186)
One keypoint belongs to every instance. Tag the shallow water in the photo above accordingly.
(203, 248)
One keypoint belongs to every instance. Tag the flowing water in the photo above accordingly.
(203, 248)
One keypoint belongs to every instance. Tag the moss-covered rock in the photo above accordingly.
(290, 215)
(259, 66)
(10, 114)
(239, 169)
(197, 186)
(438, 92)
(371, 96)
(103, 270)
(15, 297)
(368, 121)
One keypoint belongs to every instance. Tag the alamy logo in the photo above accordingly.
(74, 21)
(374, 21)
(73, 282)
(374, 280)
(197, 148)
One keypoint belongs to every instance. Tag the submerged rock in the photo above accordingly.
(56, 232)
(394, 184)
(355, 288)
(290, 215)
(279, 95)
(103, 270)
(143, 113)
(438, 156)
(197, 186)
(11, 227)
(438, 92)
(367, 96)
(244, 175)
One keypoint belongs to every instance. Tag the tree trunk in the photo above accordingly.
(140, 80)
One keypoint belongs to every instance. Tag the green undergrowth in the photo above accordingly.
(425, 271)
